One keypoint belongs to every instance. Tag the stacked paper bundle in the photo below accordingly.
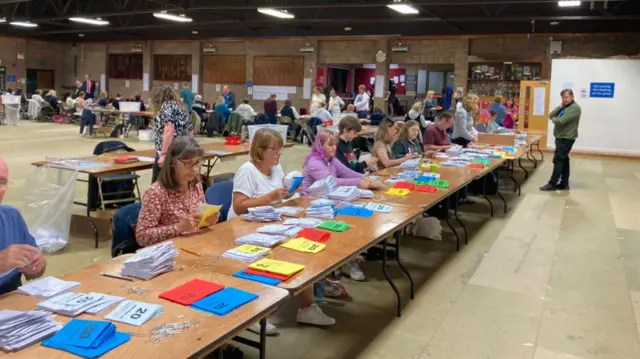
(87, 338)
(345, 193)
(322, 202)
(47, 287)
(262, 214)
(454, 150)
(410, 164)
(322, 188)
(365, 193)
(288, 210)
(260, 239)
(321, 211)
(151, 261)
(21, 329)
(134, 312)
(279, 229)
(246, 253)
(303, 222)
(71, 304)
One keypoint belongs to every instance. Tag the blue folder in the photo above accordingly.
(110, 343)
(356, 212)
(224, 301)
(257, 278)
(84, 333)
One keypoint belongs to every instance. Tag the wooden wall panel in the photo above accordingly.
(278, 70)
(172, 67)
(224, 69)
(125, 66)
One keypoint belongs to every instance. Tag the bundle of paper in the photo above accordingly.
(305, 245)
(345, 193)
(321, 211)
(260, 277)
(260, 239)
(303, 222)
(71, 304)
(262, 214)
(151, 261)
(87, 338)
(277, 267)
(246, 253)
(453, 164)
(365, 193)
(47, 287)
(378, 207)
(279, 229)
(407, 175)
(191, 291)
(322, 202)
(454, 150)
(20, 329)
(134, 313)
(315, 235)
(224, 302)
(322, 188)
(410, 164)
(287, 210)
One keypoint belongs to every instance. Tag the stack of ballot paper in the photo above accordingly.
(262, 214)
(303, 222)
(454, 150)
(134, 313)
(321, 211)
(345, 193)
(410, 164)
(365, 193)
(47, 287)
(279, 229)
(246, 253)
(260, 239)
(378, 207)
(277, 267)
(151, 261)
(87, 338)
(287, 210)
(71, 304)
(322, 188)
(20, 329)
(322, 202)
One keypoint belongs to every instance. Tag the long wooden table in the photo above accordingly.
(211, 332)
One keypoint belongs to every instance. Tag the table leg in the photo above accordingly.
(455, 214)
(484, 192)
(498, 189)
(532, 158)
(526, 173)
(210, 165)
(397, 236)
(516, 184)
(263, 338)
(386, 276)
(540, 152)
(447, 216)
(90, 195)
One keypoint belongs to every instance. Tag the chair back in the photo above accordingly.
(220, 194)
(124, 222)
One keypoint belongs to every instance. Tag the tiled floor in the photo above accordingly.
(556, 278)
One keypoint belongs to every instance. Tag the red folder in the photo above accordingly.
(315, 235)
(476, 165)
(191, 291)
(428, 189)
(408, 185)
(125, 159)
(266, 274)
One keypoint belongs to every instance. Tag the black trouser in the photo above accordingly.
(461, 141)
(156, 169)
(561, 172)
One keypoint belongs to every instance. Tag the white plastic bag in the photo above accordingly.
(429, 227)
(48, 199)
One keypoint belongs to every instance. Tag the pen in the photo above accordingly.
(190, 252)
(116, 277)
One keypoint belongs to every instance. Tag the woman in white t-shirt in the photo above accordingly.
(335, 103)
(316, 99)
(260, 182)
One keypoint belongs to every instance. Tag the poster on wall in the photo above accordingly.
(602, 89)
(103, 83)
(539, 99)
(194, 83)
(127, 84)
(175, 86)
(584, 93)
(306, 88)
(145, 81)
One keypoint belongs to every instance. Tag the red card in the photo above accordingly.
(266, 274)
(191, 291)
(315, 235)
(408, 185)
(427, 189)
(476, 165)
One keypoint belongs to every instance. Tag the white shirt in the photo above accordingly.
(253, 183)
(316, 100)
(245, 111)
(322, 114)
(362, 102)
(70, 102)
(335, 105)
(37, 98)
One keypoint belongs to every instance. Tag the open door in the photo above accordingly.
(533, 116)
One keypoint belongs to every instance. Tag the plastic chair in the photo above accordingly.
(34, 109)
(220, 194)
(123, 223)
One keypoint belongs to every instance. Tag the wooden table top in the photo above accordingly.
(211, 332)
(340, 248)
(115, 111)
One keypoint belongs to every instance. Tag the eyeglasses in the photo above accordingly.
(195, 165)
(278, 152)
(4, 182)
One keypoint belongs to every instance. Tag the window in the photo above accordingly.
(172, 67)
(219, 69)
(278, 70)
(125, 66)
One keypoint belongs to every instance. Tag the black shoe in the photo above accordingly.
(548, 187)
(562, 187)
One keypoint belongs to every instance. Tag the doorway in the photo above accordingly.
(39, 79)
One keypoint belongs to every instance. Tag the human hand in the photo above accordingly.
(37, 266)
(190, 222)
(17, 256)
(278, 194)
(213, 219)
(430, 154)
(475, 139)
(446, 147)
(371, 161)
(409, 156)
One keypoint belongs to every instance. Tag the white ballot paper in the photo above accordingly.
(20, 329)
(151, 261)
(71, 304)
(47, 287)
(134, 313)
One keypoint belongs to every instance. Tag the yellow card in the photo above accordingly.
(398, 191)
(276, 266)
(251, 249)
(508, 157)
(207, 211)
(304, 245)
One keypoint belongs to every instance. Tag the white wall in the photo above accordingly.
(607, 125)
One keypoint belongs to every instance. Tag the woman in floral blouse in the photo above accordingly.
(169, 207)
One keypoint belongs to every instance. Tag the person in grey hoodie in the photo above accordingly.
(463, 130)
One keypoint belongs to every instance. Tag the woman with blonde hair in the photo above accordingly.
(335, 103)
(415, 114)
(316, 99)
(429, 109)
(384, 137)
(222, 109)
(103, 100)
(463, 129)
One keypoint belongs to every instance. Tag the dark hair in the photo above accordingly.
(445, 115)
(138, 97)
(288, 103)
(566, 91)
(245, 101)
(183, 147)
(81, 93)
(349, 123)
(492, 113)
(377, 110)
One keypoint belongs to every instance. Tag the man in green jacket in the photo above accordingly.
(565, 118)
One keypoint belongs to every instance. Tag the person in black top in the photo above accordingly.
(349, 128)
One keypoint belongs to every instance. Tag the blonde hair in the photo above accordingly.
(417, 107)
(162, 94)
(469, 103)
(103, 94)
(498, 100)
(263, 139)
(52, 93)
(430, 93)
(382, 134)
(219, 100)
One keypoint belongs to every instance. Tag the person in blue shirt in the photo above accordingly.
(229, 98)
(222, 109)
(499, 109)
(187, 96)
(19, 254)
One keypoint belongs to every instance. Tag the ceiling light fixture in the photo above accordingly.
(568, 3)
(3, 19)
(23, 24)
(172, 17)
(280, 14)
(81, 35)
(195, 32)
(348, 28)
(403, 7)
(90, 21)
(554, 23)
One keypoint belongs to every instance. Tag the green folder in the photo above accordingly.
(420, 183)
(439, 183)
(334, 226)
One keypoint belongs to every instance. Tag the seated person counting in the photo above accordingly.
(350, 111)
(169, 207)
(384, 137)
(260, 182)
(19, 253)
(407, 141)
(435, 137)
(349, 128)
(322, 113)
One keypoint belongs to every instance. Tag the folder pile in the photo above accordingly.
(303, 222)
(410, 164)
(322, 188)
(87, 338)
(260, 239)
(74, 304)
(47, 287)
(262, 214)
(246, 253)
(151, 261)
(345, 193)
(224, 301)
(315, 235)
(302, 244)
(365, 193)
(20, 329)
(279, 230)
(322, 202)
(321, 211)
(272, 266)
(191, 292)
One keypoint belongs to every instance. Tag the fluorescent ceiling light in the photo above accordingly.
(281, 14)
(165, 15)
(568, 3)
(88, 20)
(403, 8)
(3, 19)
(23, 24)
